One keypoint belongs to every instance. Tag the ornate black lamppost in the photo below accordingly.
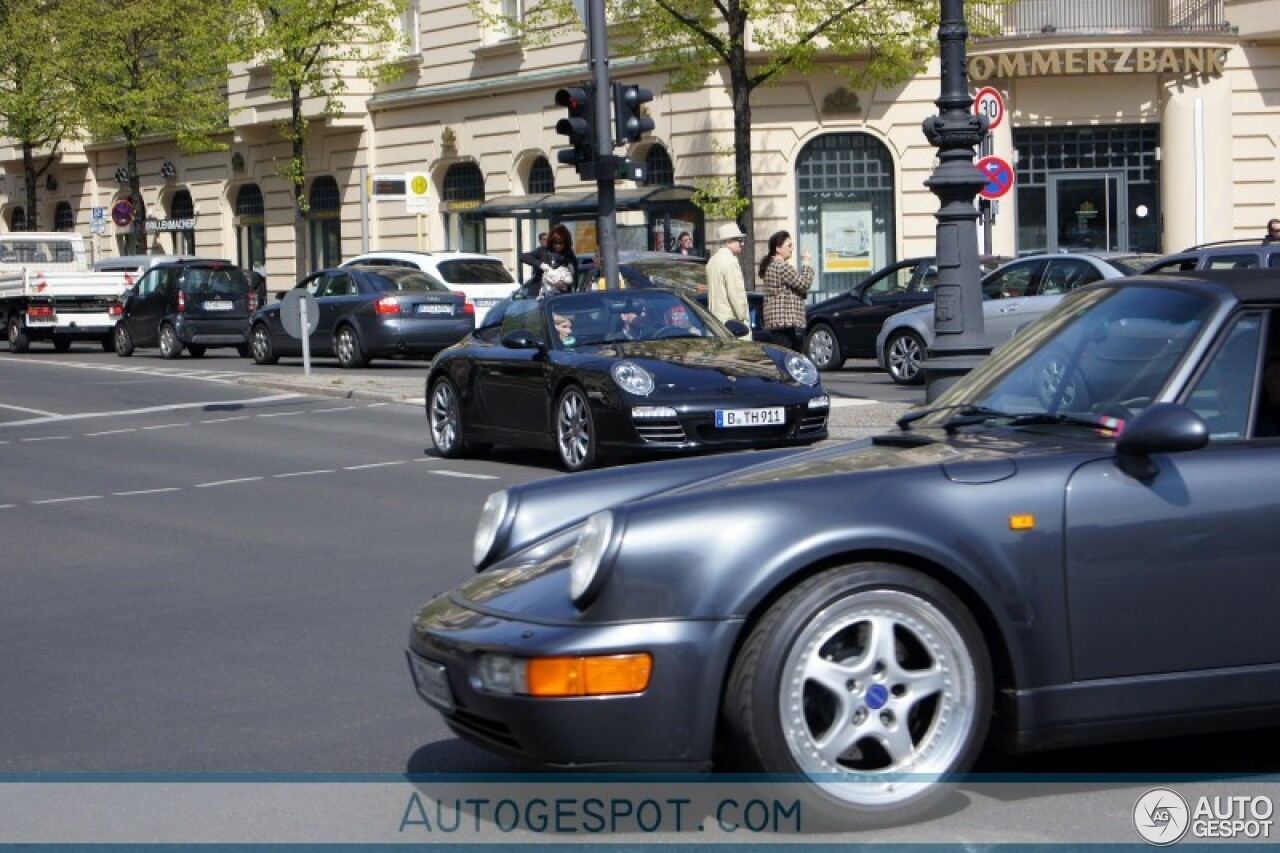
(959, 342)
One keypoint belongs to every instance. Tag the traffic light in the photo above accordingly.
(629, 123)
(579, 126)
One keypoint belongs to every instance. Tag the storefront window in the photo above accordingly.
(326, 223)
(542, 180)
(463, 193)
(183, 211)
(64, 219)
(251, 228)
(845, 196)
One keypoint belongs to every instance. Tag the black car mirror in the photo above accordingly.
(737, 328)
(521, 339)
(1162, 428)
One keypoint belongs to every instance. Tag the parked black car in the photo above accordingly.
(619, 371)
(369, 312)
(1098, 564)
(1222, 255)
(187, 304)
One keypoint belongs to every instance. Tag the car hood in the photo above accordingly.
(669, 358)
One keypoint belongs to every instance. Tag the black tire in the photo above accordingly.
(18, 340)
(242, 350)
(170, 346)
(62, 345)
(904, 352)
(260, 346)
(823, 348)
(122, 341)
(445, 423)
(346, 345)
(574, 430)
(196, 350)
(867, 670)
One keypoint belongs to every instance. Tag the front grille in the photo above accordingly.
(708, 432)
(660, 430)
(810, 424)
(481, 727)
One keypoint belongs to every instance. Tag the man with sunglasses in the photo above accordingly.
(726, 290)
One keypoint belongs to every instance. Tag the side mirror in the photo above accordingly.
(279, 294)
(737, 328)
(522, 339)
(1162, 428)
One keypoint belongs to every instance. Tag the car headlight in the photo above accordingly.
(801, 369)
(633, 378)
(491, 522)
(589, 555)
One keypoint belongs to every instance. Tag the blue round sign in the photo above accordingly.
(999, 175)
(122, 213)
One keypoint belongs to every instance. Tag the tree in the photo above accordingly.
(148, 68)
(756, 42)
(309, 46)
(36, 106)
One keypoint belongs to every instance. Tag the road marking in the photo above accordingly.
(8, 506)
(371, 465)
(68, 500)
(227, 482)
(279, 414)
(843, 402)
(29, 411)
(224, 420)
(110, 432)
(47, 438)
(302, 473)
(166, 426)
(145, 492)
(176, 407)
(466, 475)
(338, 409)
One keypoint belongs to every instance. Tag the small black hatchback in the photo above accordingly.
(189, 304)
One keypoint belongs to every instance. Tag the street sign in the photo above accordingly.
(416, 186)
(999, 175)
(98, 214)
(988, 102)
(97, 226)
(291, 312)
(122, 213)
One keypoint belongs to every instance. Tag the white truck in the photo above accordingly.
(49, 293)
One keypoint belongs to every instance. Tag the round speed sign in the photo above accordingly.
(988, 102)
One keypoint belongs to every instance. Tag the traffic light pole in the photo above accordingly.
(606, 165)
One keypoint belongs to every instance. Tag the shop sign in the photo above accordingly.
(1099, 60)
(456, 206)
(154, 225)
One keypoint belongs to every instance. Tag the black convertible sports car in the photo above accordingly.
(1076, 542)
(603, 372)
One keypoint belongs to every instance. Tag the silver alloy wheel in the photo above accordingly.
(348, 348)
(821, 347)
(876, 685)
(445, 421)
(123, 343)
(170, 346)
(261, 345)
(904, 355)
(573, 429)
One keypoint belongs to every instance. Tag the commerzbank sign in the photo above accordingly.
(1099, 60)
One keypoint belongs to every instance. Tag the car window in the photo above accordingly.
(1273, 260)
(1224, 391)
(1185, 264)
(474, 271)
(524, 315)
(1232, 262)
(216, 281)
(1013, 280)
(686, 277)
(313, 285)
(405, 280)
(895, 282)
(1066, 274)
(336, 284)
(150, 282)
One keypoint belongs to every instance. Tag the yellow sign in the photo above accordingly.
(1099, 60)
(416, 186)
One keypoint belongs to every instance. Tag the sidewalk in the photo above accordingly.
(850, 418)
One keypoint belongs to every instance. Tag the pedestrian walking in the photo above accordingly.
(555, 267)
(726, 290)
(785, 289)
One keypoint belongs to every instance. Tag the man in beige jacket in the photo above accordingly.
(726, 291)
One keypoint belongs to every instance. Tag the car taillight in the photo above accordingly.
(468, 309)
(40, 312)
(253, 302)
(182, 302)
(116, 309)
(387, 305)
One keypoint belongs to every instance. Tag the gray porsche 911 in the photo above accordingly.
(1074, 543)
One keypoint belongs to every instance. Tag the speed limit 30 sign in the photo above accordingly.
(988, 102)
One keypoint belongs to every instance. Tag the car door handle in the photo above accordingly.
(1009, 309)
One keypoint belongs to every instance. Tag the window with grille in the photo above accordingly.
(250, 228)
(326, 223)
(541, 178)
(658, 168)
(64, 219)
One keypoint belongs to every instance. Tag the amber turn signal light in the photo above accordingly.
(593, 676)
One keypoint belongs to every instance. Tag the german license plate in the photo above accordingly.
(432, 682)
(218, 305)
(435, 309)
(772, 416)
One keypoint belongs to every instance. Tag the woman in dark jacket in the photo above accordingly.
(558, 255)
(785, 290)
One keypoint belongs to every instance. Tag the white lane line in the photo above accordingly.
(279, 414)
(110, 432)
(166, 426)
(227, 482)
(842, 402)
(376, 405)
(8, 506)
(47, 438)
(337, 409)
(153, 409)
(145, 492)
(224, 420)
(466, 475)
(371, 465)
(29, 411)
(68, 500)
(302, 473)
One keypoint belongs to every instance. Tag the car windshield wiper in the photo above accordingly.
(1030, 419)
(962, 409)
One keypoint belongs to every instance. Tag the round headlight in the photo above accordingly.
(633, 378)
(592, 543)
(801, 369)
(491, 518)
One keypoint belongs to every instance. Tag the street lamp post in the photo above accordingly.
(959, 341)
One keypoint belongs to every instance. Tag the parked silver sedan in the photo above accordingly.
(1013, 295)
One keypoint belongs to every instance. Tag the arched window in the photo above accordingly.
(251, 228)
(64, 219)
(326, 223)
(658, 169)
(541, 178)
(18, 219)
(183, 215)
(845, 215)
(463, 192)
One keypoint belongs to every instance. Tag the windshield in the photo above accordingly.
(1100, 353)
(1134, 264)
(474, 271)
(686, 277)
(585, 319)
(395, 278)
(216, 281)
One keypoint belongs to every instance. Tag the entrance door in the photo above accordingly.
(1088, 211)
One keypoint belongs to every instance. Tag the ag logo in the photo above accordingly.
(1161, 817)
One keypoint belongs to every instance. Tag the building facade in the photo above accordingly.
(1141, 125)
